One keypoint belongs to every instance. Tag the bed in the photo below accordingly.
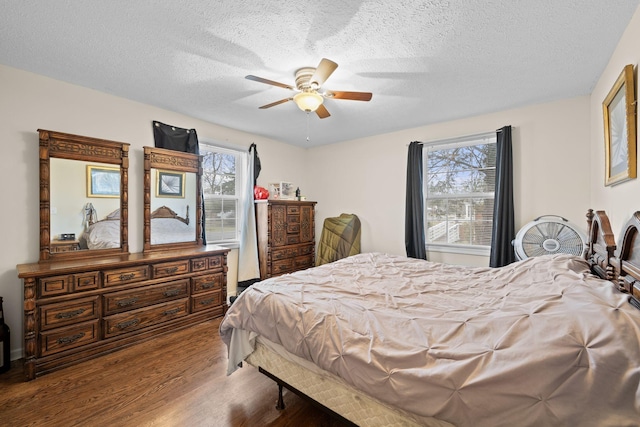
(168, 227)
(102, 234)
(385, 340)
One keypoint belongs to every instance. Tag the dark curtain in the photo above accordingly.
(414, 212)
(257, 166)
(503, 232)
(179, 139)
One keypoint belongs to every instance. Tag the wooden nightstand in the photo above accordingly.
(64, 245)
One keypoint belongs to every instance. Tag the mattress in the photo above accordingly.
(330, 391)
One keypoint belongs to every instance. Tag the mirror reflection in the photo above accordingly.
(85, 205)
(173, 203)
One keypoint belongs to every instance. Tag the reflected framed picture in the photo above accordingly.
(103, 181)
(619, 111)
(170, 184)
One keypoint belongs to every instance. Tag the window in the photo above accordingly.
(459, 188)
(222, 183)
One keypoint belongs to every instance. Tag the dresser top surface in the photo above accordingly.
(61, 267)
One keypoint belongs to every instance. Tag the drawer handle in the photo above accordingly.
(128, 276)
(70, 339)
(171, 270)
(70, 314)
(172, 292)
(128, 323)
(127, 302)
(207, 301)
(173, 311)
(208, 285)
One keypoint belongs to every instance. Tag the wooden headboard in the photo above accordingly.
(165, 212)
(623, 269)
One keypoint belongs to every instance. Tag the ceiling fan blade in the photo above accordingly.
(322, 112)
(269, 82)
(322, 73)
(356, 96)
(273, 104)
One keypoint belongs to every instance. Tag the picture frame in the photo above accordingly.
(170, 184)
(103, 181)
(619, 112)
(287, 190)
(274, 190)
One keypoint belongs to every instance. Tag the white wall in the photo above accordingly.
(367, 177)
(622, 200)
(29, 102)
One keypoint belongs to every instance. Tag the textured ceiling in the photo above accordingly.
(426, 61)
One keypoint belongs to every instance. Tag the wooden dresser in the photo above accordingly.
(79, 309)
(286, 236)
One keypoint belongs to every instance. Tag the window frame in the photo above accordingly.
(242, 159)
(463, 249)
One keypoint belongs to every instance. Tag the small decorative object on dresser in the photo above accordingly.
(286, 236)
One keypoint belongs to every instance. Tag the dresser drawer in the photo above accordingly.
(122, 276)
(206, 301)
(144, 317)
(166, 269)
(86, 281)
(206, 283)
(65, 284)
(303, 262)
(282, 266)
(69, 337)
(69, 312)
(293, 210)
(54, 285)
(207, 263)
(117, 302)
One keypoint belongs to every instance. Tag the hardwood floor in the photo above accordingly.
(174, 380)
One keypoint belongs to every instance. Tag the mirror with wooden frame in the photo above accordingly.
(172, 199)
(83, 196)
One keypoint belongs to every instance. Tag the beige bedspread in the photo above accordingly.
(540, 342)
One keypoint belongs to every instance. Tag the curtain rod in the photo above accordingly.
(458, 138)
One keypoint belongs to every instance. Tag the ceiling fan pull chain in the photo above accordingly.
(307, 126)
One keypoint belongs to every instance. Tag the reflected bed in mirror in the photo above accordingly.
(168, 227)
(83, 196)
(172, 199)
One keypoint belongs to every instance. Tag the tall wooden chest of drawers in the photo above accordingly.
(75, 310)
(286, 236)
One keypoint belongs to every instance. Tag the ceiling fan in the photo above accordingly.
(309, 97)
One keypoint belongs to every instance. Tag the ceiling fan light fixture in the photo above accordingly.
(308, 101)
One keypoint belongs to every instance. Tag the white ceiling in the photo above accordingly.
(426, 61)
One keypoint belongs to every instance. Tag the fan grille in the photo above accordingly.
(547, 238)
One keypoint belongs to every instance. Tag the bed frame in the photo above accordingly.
(165, 212)
(623, 270)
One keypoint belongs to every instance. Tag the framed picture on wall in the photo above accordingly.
(170, 184)
(103, 181)
(620, 129)
(274, 190)
(287, 191)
